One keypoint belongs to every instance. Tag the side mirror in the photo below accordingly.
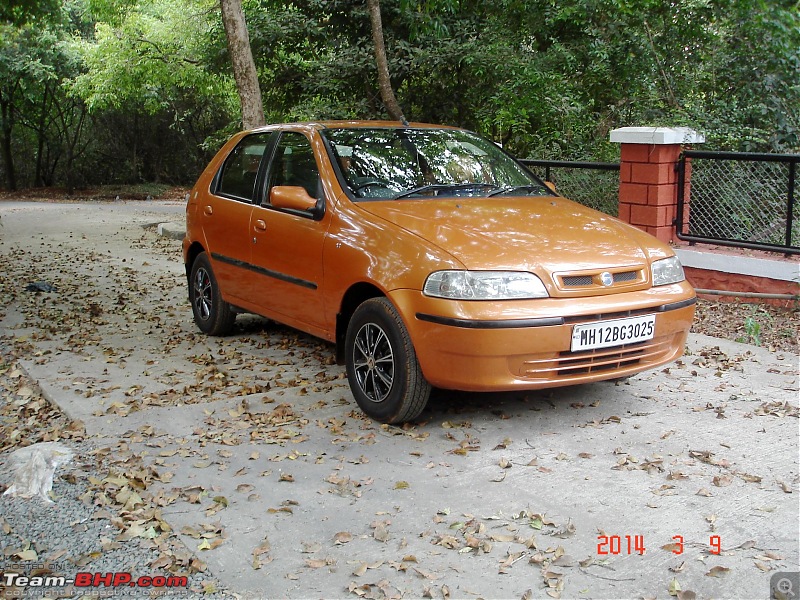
(551, 185)
(296, 198)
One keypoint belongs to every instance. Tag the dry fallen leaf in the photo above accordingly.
(678, 568)
(262, 549)
(342, 537)
(316, 563)
(674, 587)
(564, 560)
(425, 574)
(381, 534)
(27, 555)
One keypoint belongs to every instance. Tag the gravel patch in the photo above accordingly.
(87, 528)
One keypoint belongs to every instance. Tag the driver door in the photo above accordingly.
(287, 245)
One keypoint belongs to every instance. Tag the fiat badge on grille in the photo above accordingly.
(606, 278)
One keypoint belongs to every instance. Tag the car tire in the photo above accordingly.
(382, 366)
(211, 313)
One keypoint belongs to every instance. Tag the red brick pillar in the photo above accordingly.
(648, 188)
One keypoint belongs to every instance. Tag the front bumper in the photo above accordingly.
(503, 346)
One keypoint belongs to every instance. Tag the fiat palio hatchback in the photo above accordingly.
(430, 257)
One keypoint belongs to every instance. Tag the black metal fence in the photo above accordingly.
(740, 199)
(736, 198)
(593, 184)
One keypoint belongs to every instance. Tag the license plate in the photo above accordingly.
(607, 334)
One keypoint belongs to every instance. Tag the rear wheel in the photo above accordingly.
(382, 367)
(211, 313)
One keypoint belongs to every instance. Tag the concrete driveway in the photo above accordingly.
(677, 482)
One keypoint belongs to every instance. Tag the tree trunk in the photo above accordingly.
(39, 179)
(384, 83)
(244, 68)
(8, 155)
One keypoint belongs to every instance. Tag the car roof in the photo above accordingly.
(351, 124)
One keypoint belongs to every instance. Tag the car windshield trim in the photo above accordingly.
(439, 187)
(514, 188)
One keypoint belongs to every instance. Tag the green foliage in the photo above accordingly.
(753, 329)
(152, 57)
(22, 12)
(126, 100)
(36, 117)
(752, 326)
(142, 89)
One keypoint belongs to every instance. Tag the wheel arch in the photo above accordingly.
(191, 254)
(353, 297)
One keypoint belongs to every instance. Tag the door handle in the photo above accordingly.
(260, 225)
(208, 210)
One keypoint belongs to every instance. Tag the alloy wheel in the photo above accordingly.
(203, 290)
(373, 362)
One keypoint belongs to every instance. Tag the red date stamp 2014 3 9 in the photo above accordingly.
(634, 544)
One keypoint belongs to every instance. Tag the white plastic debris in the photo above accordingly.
(35, 466)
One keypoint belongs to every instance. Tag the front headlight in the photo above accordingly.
(484, 285)
(667, 271)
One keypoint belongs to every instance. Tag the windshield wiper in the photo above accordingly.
(513, 188)
(442, 186)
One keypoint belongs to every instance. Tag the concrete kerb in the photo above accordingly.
(174, 231)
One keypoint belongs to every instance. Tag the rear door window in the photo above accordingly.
(240, 172)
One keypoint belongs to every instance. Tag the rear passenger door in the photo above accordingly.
(226, 216)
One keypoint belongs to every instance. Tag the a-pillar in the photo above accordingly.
(648, 188)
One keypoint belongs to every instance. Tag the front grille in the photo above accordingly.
(587, 280)
(577, 280)
(626, 276)
(570, 364)
(591, 362)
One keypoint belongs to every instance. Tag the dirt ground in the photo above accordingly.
(759, 324)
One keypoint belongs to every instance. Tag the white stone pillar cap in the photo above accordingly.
(657, 135)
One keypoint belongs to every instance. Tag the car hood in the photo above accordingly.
(528, 233)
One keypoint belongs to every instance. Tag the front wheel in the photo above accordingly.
(382, 367)
(211, 313)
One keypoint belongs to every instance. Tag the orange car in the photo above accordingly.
(431, 258)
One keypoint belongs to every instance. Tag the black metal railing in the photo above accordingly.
(739, 199)
(593, 184)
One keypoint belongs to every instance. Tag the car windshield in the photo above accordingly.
(396, 163)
